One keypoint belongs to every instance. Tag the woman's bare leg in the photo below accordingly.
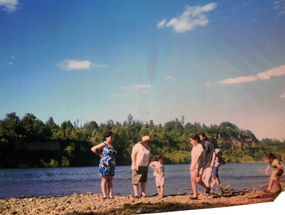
(198, 180)
(110, 186)
(103, 186)
(193, 183)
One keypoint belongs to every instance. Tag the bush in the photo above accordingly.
(65, 162)
(53, 163)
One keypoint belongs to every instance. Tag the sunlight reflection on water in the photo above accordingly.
(57, 181)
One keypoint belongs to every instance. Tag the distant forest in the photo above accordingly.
(29, 142)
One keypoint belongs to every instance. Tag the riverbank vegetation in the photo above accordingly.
(29, 142)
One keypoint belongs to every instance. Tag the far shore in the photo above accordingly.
(25, 166)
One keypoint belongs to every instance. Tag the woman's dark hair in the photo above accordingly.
(203, 135)
(195, 137)
(270, 155)
(107, 134)
(157, 157)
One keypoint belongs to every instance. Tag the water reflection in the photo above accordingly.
(57, 181)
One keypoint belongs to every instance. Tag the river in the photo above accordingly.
(57, 181)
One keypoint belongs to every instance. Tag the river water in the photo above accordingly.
(57, 181)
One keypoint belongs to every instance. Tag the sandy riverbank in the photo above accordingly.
(94, 204)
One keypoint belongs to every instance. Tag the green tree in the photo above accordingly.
(224, 125)
(70, 150)
(66, 125)
(26, 124)
(52, 128)
(66, 128)
(89, 128)
(53, 163)
(43, 163)
(40, 130)
(9, 127)
(65, 162)
(130, 119)
(171, 140)
(283, 157)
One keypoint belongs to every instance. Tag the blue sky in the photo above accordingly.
(210, 61)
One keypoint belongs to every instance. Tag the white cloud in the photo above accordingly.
(282, 95)
(68, 65)
(282, 12)
(9, 5)
(75, 65)
(137, 87)
(279, 71)
(161, 23)
(9, 63)
(168, 77)
(133, 91)
(120, 95)
(144, 92)
(277, 5)
(254, 21)
(189, 19)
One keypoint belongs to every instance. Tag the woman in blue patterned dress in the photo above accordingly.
(107, 163)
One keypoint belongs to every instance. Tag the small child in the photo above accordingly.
(157, 166)
(277, 171)
(215, 175)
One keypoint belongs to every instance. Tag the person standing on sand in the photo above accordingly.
(107, 163)
(215, 175)
(140, 160)
(276, 173)
(196, 170)
(208, 159)
(157, 166)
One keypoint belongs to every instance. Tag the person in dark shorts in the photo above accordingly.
(140, 161)
(215, 174)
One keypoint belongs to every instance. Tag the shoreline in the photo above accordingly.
(90, 203)
(25, 166)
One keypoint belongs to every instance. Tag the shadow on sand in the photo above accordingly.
(145, 208)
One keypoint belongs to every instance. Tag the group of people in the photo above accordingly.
(205, 162)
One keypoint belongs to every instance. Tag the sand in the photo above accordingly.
(90, 203)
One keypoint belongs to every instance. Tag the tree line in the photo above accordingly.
(74, 141)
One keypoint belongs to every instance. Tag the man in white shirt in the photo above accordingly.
(140, 161)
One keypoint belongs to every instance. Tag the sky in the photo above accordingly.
(209, 61)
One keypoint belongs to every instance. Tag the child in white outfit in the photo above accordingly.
(157, 166)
